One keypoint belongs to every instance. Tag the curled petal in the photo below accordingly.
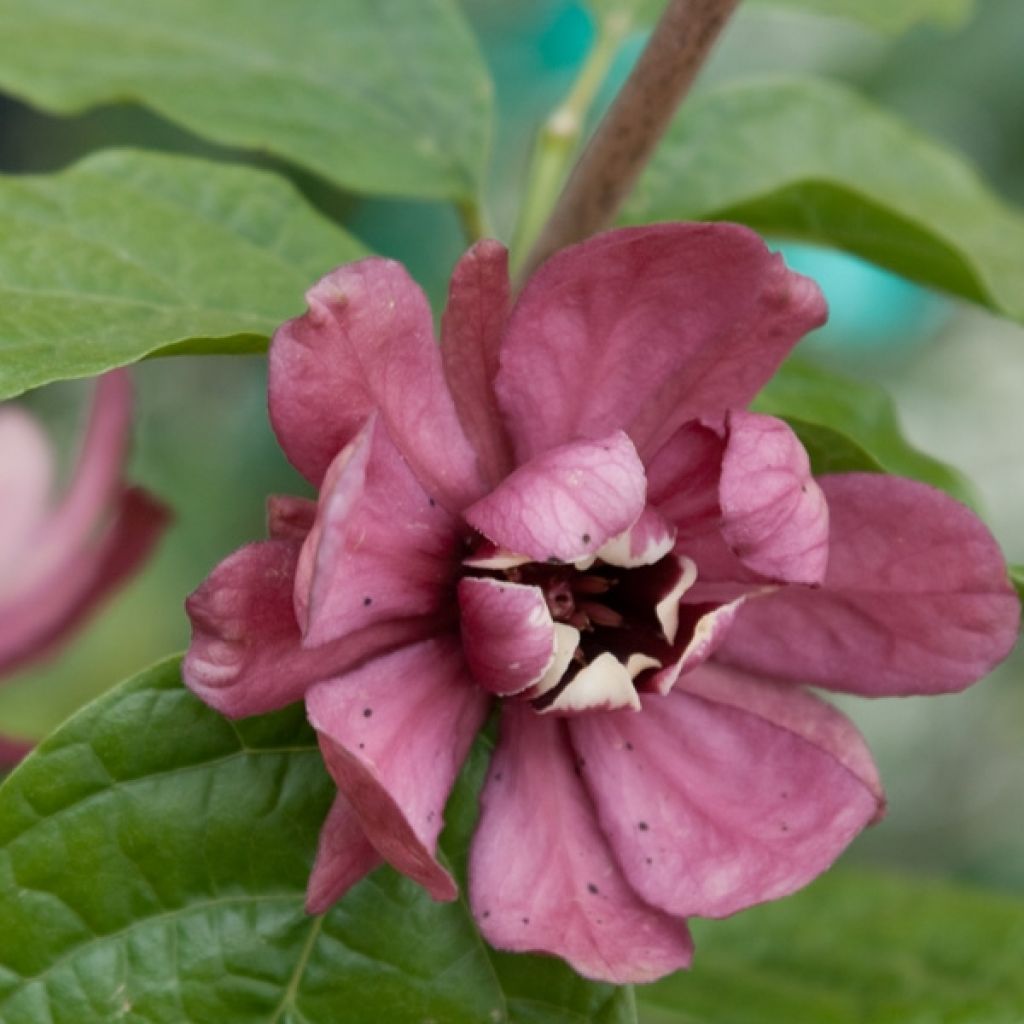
(605, 684)
(367, 344)
(774, 515)
(343, 857)
(39, 616)
(26, 478)
(916, 598)
(644, 328)
(567, 502)
(246, 655)
(394, 733)
(711, 808)
(508, 635)
(381, 547)
(471, 330)
(541, 874)
(647, 541)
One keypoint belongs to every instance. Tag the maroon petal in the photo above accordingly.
(343, 857)
(289, 518)
(916, 598)
(471, 331)
(644, 328)
(567, 502)
(394, 734)
(508, 635)
(541, 875)
(12, 751)
(367, 344)
(774, 516)
(36, 618)
(381, 547)
(246, 655)
(711, 808)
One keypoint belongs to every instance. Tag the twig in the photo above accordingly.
(626, 137)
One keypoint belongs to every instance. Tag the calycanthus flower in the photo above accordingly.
(59, 561)
(565, 508)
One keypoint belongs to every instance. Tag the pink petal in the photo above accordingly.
(683, 475)
(394, 733)
(471, 331)
(508, 635)
(289, 518)
(567, 502)
(246, 656)
(343, 857)
(541, 875)
(793, 708)
(774, 516)
(367, 344)
(711, 808)
(26, 479)
(645, 328)
(381, 548)
(649, 539)
(916, 598)
(41, 615)
(602, 685)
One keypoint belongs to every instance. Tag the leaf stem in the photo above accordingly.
(559, 137)
(473, 220)
(629, 132)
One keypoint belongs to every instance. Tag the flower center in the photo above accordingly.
(617, 630)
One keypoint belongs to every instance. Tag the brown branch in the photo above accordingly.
(626, 137)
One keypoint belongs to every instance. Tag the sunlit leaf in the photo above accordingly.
(127, 253)
(373, 95)
(857, 947)
(811, 160)
(153, 861)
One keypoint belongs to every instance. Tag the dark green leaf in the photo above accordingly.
(856, 947)
(153, 861)
(849, 425)
(809, 159)
(127, 253)
(374, 95)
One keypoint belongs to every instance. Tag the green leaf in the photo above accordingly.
(811, 160)
(153, 861)
(849, 425)
(127, 253)
(380, 96)
(857, 947)
(1017, 579)
(890, 17)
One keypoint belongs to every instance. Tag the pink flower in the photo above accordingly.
(58, 563)
(566, 508)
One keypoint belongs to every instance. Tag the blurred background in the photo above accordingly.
(954, 766)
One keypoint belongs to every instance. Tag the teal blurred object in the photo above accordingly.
(872, 313)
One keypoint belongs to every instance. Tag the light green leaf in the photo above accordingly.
(374, 95)
(809, 159)
(153, 861)
(890, 17)
(857, 947)
(849, 425)
(1017, 579)
(127, 253)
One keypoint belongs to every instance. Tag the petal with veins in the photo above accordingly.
(567, 502)
(508, 635)
(541, 875)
